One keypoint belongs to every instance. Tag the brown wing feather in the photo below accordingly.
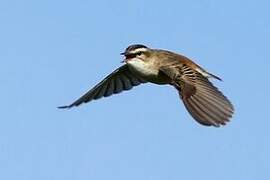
(120, 80)
(206, 104)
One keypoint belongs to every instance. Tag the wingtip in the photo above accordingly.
(64, 107)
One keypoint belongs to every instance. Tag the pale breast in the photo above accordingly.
(141, 68)
(147, 71)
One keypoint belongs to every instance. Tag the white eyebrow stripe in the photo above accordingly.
(139, 50)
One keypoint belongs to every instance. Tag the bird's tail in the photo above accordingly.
(207, 74)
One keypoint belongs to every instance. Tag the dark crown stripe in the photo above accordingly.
(135, 46)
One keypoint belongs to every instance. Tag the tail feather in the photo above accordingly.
(207, 74)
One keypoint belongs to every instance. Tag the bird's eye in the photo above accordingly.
(139, 53)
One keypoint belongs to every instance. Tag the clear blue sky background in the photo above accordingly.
(54, 51)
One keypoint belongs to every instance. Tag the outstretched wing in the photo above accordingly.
(206, 104)
(120, 80)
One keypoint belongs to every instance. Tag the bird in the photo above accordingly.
(204, 101)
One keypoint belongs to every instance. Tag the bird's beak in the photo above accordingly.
(128, 56)
(123, 54)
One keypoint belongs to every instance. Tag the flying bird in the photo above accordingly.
(205, 103)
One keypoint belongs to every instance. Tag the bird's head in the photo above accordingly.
(136, 52)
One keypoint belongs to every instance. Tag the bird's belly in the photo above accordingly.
(147, 72)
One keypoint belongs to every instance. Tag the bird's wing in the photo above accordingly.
(120, 80)
(206, 104)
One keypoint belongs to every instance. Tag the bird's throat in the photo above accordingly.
(143, 69)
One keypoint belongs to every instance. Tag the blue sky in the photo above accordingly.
(54, 51)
